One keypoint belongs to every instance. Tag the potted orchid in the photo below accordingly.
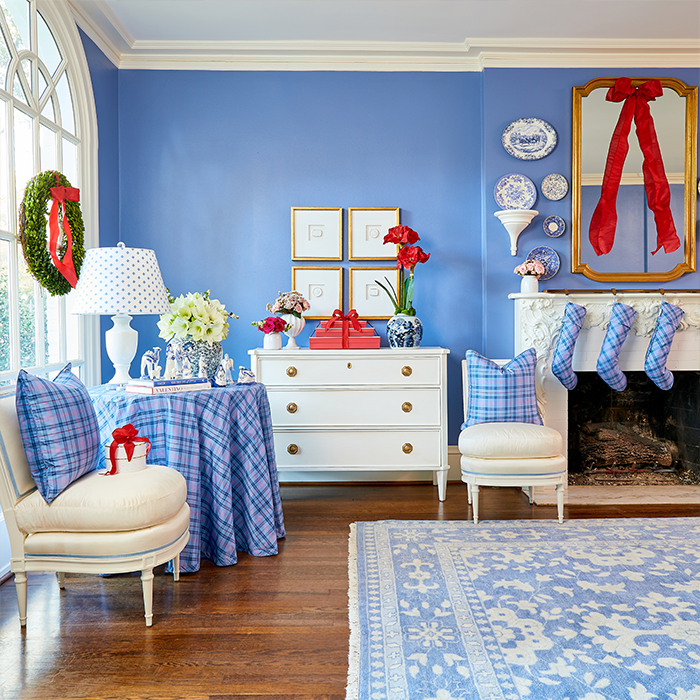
(530, 271)
(404, 329)
(290, 306)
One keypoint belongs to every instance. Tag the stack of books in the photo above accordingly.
(166, 386)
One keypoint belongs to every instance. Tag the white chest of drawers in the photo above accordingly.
(358, 410)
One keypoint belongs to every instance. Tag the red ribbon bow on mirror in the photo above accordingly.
(604, 219)
(352, 317)
(60, 195)
(127, 436)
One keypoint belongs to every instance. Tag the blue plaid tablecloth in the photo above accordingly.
(220, 440)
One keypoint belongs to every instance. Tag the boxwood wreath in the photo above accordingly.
(32, 232)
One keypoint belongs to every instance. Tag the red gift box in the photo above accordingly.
(341, 332)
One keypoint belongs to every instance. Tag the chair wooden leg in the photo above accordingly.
(147, 585)
(469, 494)
(560, 502)
(176, 567)
(529, 493)
(21, 588)
(60, 575)
(475, 503)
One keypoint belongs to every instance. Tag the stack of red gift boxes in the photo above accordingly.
(341, 332)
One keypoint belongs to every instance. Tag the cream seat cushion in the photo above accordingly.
(97, 503)
(506, 441)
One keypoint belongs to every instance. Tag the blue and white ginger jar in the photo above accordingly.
(404, 331)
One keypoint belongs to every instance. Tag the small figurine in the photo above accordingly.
(202, 373)
(179, 361)
(245, 376)
(219, 379)
(170, 366)
(227, 364)
(186, 367)
(149, 362)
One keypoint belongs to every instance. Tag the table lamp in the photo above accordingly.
(124, 282)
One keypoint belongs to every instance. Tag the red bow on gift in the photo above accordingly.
(60, 194)
(352, 317)
(126, 436)
(604, 219)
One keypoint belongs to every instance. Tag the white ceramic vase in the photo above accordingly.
(529, 284)
(272, 341)
(297, 324)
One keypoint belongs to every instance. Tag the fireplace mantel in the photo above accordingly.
(538, 321)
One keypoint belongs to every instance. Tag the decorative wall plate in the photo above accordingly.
(554, 187)
(549, 258)
(529, 139)
(554, 226)
(515, 191)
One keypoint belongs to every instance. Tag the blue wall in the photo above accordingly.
(210, 164)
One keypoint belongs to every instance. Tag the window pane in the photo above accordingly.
(66, 104)
(49, 110)
(70, 162)
(4, 60)
(4, 171)
(48, 51)
(24, 152)
(18, 90)
(52, 338)
(4, 306)
(73, 333)
(27, 68)
(17, 16)
(42, 84)
(27, 317)
(47, 145)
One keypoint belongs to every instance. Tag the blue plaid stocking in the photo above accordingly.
(621, 319)
(660, 345)
(564, 349)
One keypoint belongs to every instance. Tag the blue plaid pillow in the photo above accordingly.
(502, 394)
(59, 430)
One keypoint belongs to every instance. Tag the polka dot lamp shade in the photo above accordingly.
(120, 280)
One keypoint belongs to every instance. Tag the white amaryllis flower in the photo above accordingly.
(197, 316)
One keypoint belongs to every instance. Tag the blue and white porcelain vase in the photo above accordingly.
(193, 350)
(404, 331)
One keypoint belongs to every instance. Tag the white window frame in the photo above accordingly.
(58, 16)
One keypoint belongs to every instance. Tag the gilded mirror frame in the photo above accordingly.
(690, 193)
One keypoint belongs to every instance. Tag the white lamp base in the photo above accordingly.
(121, 342)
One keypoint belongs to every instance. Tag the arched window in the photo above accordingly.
(47, 122)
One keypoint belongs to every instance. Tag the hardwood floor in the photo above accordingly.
(269, 627)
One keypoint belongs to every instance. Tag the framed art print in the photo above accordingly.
(367, 228)
(366, 296)
(317, 233)
(322, 287)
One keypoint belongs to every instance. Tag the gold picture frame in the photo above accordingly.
(366, 295)
(322, 287)
(317, 233)
(367, 227)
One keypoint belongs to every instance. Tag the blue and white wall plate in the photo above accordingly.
(515, 191)
(554, 226)
(549, 258)
(529, 139)
(554, 187)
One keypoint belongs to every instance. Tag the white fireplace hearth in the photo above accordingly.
(538, 320)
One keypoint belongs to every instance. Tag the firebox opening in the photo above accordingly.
(642, 435)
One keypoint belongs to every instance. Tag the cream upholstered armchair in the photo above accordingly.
(503, 441)
(96, 524)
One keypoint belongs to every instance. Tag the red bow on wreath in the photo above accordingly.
(125, 436)
(60, 194)
(604, 219)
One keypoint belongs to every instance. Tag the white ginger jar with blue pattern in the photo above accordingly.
(404, 331)
(193, 350)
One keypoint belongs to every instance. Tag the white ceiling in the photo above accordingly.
(441, 34)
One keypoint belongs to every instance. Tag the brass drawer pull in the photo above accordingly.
(406, 371)
(407, 448)
(291, 407)
(292, 449)
(406, 406)
(349, 365)
(291, 371)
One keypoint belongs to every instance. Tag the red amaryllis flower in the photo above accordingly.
(410, 256)
(401, 235)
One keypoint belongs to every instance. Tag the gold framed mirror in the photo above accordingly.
(594, 120)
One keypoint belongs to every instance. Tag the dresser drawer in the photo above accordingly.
(328, 371)
(341, 407)
(357, 449)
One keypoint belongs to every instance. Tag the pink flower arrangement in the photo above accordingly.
(530, 268)
(272, 324)
(289, 303)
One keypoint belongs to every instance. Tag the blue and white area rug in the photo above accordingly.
(587, 610)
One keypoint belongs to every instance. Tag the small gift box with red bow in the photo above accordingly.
(127, 451)
(344, 332)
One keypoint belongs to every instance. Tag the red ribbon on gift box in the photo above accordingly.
(127, 436)
(60, 195)
(338, 315)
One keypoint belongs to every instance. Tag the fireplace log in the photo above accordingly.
(615, 444)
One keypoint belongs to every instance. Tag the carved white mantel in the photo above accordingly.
(538, 321)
